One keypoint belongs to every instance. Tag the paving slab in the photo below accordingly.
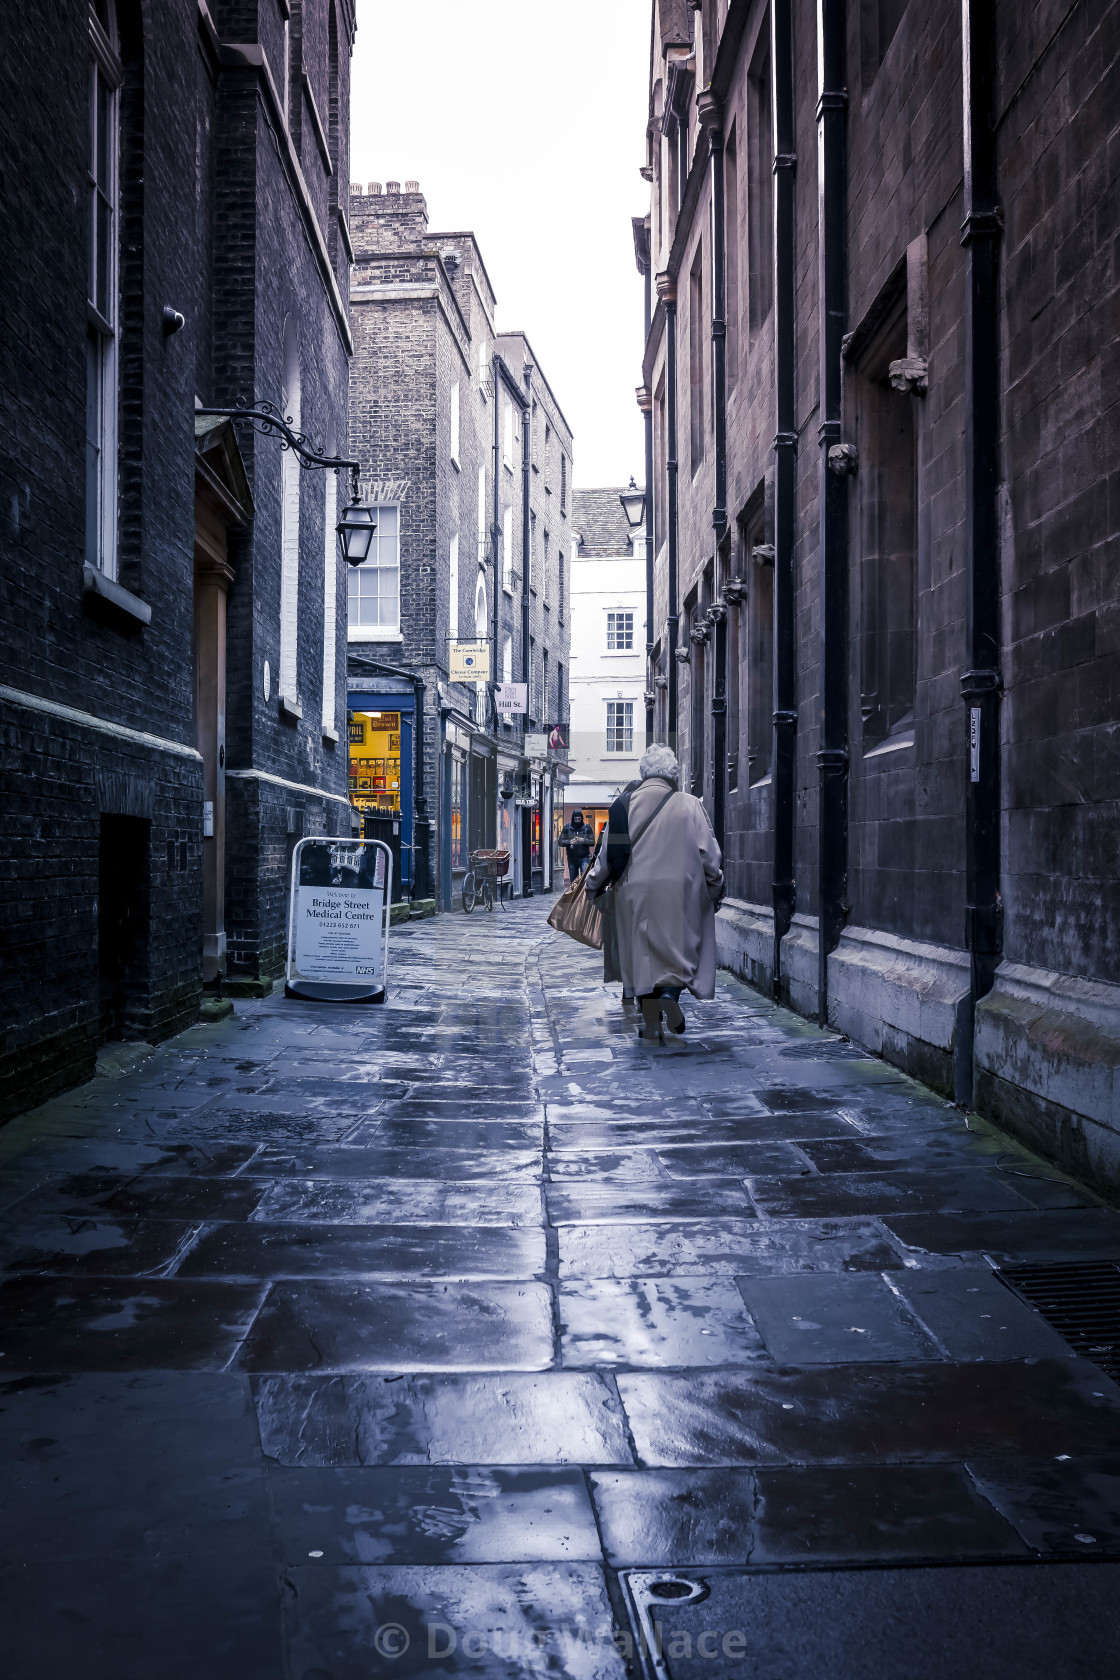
(558, 1417)
(413, 1201)
(834, 1320)
(972, 1315)
(577, 1203)
(488, 1619)
(831, 1194)
(858, 1414)
(822, 1515)
(123, 1324)
(291, 1250)
(1057, 1504)
(1079, 1234)
(724, 1247)
(423, 1326)
(425, 1514)
(660, 1322)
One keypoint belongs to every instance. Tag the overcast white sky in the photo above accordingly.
(524, 121)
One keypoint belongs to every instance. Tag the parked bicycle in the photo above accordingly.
(486, 870)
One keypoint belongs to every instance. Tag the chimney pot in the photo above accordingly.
(392, 186)
(355, 189)
(412, 186)
(374, 189)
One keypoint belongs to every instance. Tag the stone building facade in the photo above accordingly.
(174, 652)
(882, 421)
(608, 650)
(466, 453)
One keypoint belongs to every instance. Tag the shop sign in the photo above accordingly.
(511, 699)
(470, 661)
(558, 738)
(338, 921)
(536, 746)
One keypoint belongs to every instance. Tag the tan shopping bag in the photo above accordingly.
(576, 915)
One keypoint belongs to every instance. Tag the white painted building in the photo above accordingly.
(608, 652)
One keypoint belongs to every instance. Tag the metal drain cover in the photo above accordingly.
(1021, 1621)
(1081, 1301)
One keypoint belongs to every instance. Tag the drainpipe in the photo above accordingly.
(667, 292)
(980, 684)
(785, 479)
(526, 662)
(645, 403)
(710, 113)
(832, 756)
(419, 797)
(496, 537)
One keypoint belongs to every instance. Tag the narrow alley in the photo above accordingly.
(469, 1335)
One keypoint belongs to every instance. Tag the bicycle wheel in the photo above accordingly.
(470, 891)
(488, 893)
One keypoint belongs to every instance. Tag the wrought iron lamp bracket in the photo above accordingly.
(269, 421)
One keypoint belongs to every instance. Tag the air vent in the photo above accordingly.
(1081, 1302)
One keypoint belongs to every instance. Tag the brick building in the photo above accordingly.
(467, 456)
(881, 404)
(174, 652)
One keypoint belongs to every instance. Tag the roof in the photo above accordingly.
(600, 523)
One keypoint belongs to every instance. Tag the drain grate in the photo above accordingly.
(826, 1049)
(1080, 1301)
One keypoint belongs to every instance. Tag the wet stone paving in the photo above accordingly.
(468, 1335)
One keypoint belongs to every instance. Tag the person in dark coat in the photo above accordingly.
(613, 846)
(577, 839)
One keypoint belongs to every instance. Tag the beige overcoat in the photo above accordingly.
(664, 905)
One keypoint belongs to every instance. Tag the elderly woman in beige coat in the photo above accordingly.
(665, 900)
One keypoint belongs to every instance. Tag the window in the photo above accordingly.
(887, 487)
(375, 587)
(455, 423)
(483, 366)
(545, 568)
(542, 701)
(661, 468)
(532, 552)
(290, 473)
(507, 657)
(620, 726)
(696, 356)
(101, 329)
(560, 585)
(620, 632)
(481, 616)
(736, 665)
(760, 660)
(507, 436)
(731, 255)
(507, 549)
(453, 589)
(458, 850)
(697, 673)
(559, 693)
(760, 203)
(330, 590)
(482, 516)
(563, 483)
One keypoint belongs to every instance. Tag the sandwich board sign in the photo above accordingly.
(338, 920)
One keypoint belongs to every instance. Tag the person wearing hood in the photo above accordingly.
(668, 881)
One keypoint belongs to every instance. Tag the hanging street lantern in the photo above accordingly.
(633, 505)
(355, 532)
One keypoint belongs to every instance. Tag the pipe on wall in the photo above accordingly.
(667, 292)
(981, 682)
(832, 753)
(783, 885)
(710, 113)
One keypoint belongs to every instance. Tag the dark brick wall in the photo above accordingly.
(1059, 91)
(211, 226)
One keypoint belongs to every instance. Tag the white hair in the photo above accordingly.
(659, 761)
